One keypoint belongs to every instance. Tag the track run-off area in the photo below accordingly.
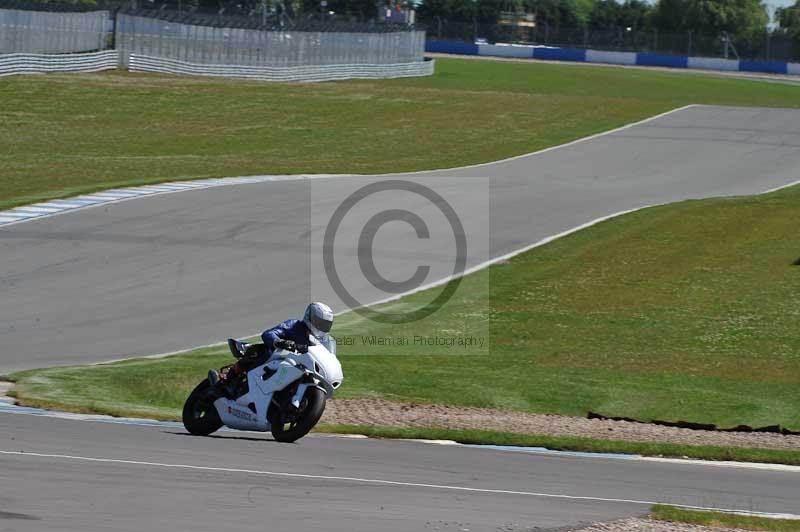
(160, 273)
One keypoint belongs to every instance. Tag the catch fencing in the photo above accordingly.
(46, 41)
(47, 63)
(772, 45)
(206, 45)
(582, 55)
(312, 73)
(37, 32)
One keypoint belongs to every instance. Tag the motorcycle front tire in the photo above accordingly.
(312, 412)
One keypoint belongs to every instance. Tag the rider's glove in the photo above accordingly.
(285, 344)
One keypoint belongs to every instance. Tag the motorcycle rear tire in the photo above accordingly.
(199, 415)
(311, 415)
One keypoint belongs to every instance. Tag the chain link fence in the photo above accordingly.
(771, 46)
(266, 21)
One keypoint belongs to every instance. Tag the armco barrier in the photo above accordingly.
(560, 54)
(774, 67)
(610, 57)
(11, 64)
(660, 60)
(506, 50)
(451, 47)
(713, 63)
(141, 63)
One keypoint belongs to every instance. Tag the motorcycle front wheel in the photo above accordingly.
(289, 424)
(199, 415)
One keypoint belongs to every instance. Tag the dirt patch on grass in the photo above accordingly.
(651, 525)
(386, 413)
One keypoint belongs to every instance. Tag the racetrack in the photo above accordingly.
(79, 475)
(177, 270)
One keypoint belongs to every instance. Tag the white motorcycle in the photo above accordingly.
(286, 395)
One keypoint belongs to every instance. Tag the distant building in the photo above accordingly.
(396, 14)
(520, 19)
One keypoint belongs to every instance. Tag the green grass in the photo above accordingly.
(724, 520)
(680, 312)
(61, 135)
(588, 445)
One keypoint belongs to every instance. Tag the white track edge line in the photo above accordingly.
(722, 463)
(560, 146)
(381, 482)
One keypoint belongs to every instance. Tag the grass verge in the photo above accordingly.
(588, 445)
(62, 135)
(724, 520)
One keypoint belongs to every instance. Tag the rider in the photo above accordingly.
(291, 334)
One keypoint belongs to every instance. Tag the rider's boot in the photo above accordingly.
(214, 377)
(227, 377)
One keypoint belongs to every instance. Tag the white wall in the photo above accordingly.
(614, 58)
(712, 63)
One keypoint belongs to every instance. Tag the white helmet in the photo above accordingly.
(319, 319)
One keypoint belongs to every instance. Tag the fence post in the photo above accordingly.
(689, 47)
(768, 46)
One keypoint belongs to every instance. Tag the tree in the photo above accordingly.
(433, 10)
(488, 11)
(579, 11)
(669, 15)
(744, 18)
(463, 10)
(567, 13)
(343, 9)
(736, 17)
(606, 14)
(612, 14)
(789, 20)
(634, 14)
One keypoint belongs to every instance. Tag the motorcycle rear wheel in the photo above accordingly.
(199, 415)
(288, 430)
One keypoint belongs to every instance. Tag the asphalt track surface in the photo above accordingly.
(164, 273)
(77, 475)
(168, 272)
